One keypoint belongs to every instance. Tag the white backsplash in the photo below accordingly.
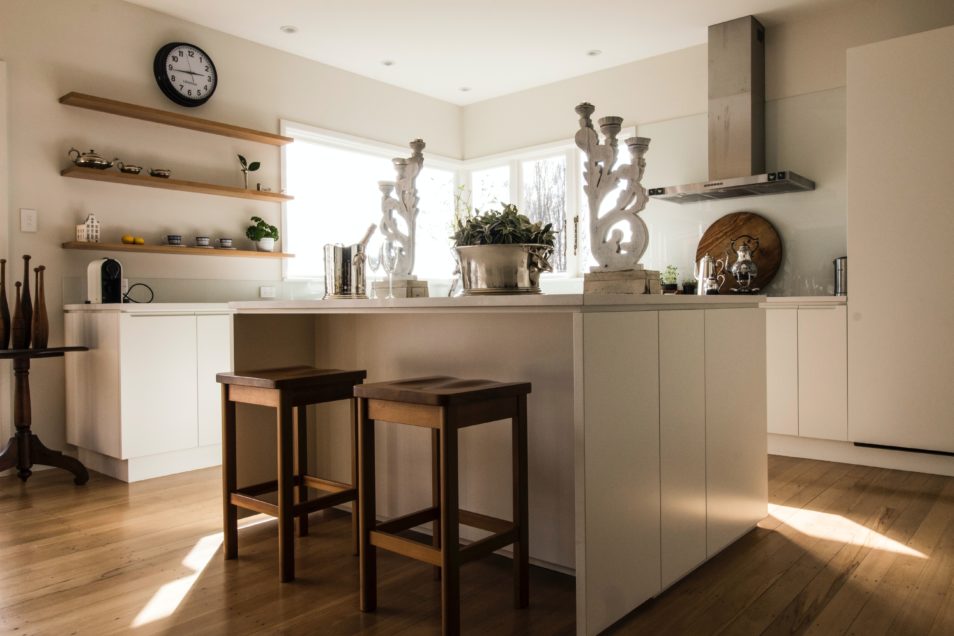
(805, 134)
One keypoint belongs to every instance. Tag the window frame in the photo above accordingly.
(463, 176)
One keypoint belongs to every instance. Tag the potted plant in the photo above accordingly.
(247, 167)
(670, 279)
(689, 286)
(502, 251)
(263, 234)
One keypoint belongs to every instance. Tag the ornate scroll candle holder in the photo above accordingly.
(399, 201)
(618, 270)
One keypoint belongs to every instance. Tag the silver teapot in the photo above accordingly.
(710, 275)
(744, 269)
(89, 159)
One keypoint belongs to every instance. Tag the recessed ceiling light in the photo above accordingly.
(464, 89)
(288, 28)
(594, 52)
(388, 62)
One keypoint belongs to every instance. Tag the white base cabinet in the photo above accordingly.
(806, 349)
(143, 402)
(675, 457)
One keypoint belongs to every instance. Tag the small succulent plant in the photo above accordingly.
(496, 227)
(670, 275)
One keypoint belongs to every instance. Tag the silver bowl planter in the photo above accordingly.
(503, 269)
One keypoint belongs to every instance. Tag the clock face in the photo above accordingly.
(185, 73)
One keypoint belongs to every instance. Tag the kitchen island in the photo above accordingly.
(647, 420)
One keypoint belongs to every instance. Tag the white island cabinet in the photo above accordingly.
(647, 433)
(143, 402)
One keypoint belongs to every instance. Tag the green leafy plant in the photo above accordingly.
(497, 227)
(261, 230)
(248, 167)
(670, 275)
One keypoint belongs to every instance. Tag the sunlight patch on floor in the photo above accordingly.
(823, 525)
(167, 598)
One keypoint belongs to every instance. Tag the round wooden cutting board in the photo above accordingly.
(717, 241)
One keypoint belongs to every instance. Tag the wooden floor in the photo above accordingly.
(846, 550)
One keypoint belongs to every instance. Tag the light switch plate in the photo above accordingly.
(28, 220)
(266, 291)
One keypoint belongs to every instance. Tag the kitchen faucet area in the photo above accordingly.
(523, 318)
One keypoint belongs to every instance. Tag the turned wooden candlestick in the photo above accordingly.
(4, 308)
(41, 323)
(19, 329)
(26, 305)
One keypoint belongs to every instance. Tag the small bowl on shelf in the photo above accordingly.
(127, 168)
(225, 243)
(162, 173)
(174, 240)
(202, 241)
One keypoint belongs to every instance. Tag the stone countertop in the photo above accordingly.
(153, 308)
(795, 301)
(507, 303)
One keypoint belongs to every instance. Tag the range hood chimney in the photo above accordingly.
(736, 121)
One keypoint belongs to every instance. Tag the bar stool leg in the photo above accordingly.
(450, 546)
(286, 529)
(436, 492)
(230, 512)
(521, 515)
(366, 505)
(302, 468)
(355, 540)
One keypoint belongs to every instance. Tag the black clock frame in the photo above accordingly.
(159, 70)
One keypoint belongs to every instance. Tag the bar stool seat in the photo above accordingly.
(444, 404)
(289, 390)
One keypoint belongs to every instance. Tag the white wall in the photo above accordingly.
(106, 48)
(666, 98)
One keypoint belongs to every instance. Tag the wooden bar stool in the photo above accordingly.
(289, 390)
(445, 405)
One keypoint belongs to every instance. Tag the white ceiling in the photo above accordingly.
(491, 47)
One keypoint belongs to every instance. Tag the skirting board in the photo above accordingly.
(848, 453)
(140, 468)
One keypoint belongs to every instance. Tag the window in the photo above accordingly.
(335, 183)
(334, 180)
(538, 182)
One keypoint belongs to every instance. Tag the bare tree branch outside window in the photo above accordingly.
(544, 200)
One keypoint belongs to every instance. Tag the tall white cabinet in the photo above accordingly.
(900, 233)
(143, 402)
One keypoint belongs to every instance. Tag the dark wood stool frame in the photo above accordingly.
(291, 406)
(445, 552)
(24, 450)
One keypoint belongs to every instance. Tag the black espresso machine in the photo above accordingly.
(104, 281)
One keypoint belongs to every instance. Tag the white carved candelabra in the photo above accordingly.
(618, 269)
(399, 199)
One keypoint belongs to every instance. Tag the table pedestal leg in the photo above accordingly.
(40, 454)
(25, 449)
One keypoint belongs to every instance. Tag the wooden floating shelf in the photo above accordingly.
(169, 249)
(158, 116)
(110, 176)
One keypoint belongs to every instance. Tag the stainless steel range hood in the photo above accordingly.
(736, 121)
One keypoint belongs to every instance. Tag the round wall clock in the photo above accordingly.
(185, 73)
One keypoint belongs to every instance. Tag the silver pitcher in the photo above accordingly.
(345, 271)
(710, 275)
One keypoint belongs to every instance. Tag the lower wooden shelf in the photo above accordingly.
(169, 249)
